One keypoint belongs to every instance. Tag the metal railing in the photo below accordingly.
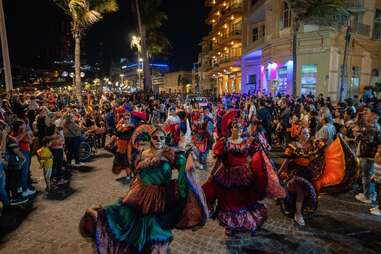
(362, 29)
(377, 34)
(355, 5)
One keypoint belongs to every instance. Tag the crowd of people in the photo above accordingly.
(327, 147)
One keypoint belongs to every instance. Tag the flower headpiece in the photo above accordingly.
(231, 117)
(142, 133)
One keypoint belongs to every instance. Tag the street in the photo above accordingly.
(341, 224)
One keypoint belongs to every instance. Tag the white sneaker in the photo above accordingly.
(373, 208)
(80, 164)
(28, 193)
(300, 221)
(376, 211)
(361, 197)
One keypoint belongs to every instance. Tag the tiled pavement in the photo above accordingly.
(341, 224)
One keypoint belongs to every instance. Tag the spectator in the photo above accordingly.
(369, 136)
(72, 133)
(23, 138)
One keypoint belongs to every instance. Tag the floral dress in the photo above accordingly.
(243, 175)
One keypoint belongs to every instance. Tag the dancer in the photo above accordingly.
(124, 130)
(236, 184)
(310, 167)
(201, 138)
(141, 222)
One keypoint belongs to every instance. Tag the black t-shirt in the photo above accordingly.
(13, 159)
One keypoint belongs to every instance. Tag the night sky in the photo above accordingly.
(34, 31)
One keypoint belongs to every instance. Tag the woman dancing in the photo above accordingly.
(312, 166)
(242, 176)
(141, 222)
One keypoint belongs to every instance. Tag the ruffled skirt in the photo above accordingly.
(120, 229)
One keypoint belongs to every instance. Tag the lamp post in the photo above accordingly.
(121, 78)
(5, 51)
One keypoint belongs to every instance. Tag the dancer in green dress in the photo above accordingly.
(142, 221)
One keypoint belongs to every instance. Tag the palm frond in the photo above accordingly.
(315, 9)
(91, 17)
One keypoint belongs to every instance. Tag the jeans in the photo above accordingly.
(367, 171)
(378, 188)
(3, 193)
(25, 172)
(72, 152)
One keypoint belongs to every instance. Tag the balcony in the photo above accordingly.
(234, 34)
(355, 6)
(361, 29)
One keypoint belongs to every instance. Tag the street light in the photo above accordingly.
(121, 78)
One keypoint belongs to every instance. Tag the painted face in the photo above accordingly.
(237, 129)
(158, 140)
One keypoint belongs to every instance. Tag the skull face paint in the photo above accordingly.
(158, 139)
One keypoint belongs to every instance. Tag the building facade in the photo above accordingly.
(220, 59)
(177, 82)
(267, 49)
(133, 76)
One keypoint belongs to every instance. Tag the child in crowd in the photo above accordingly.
(377, 179)
(45, 157)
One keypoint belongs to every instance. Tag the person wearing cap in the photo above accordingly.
(368, 135)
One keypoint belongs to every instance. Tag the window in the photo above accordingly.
(236, 28)
(263, 31)
(355, 80)
(309, 79)
(255, 34)
(286, 16)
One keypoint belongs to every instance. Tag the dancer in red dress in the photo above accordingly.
(242, 176)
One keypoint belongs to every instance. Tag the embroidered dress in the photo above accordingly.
(121, 160)
(332, 170)
(242, 176)
(142, 221)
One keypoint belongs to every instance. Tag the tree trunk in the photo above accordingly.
(295, 31)
(5, 51)
(77, 67)
(146, 63)
(343, 93)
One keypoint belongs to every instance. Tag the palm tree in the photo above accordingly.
(149, 19)
(315, 11)
(83, 14)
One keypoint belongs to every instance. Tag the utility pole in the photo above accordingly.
(146, 64)
(5, 51)
(344, 72)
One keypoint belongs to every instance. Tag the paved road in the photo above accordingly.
(341, 224)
